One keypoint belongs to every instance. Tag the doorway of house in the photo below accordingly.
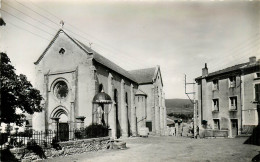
(234, 127)
(149, 125)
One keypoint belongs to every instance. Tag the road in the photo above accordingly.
(161, 149)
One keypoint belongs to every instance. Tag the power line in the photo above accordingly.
(25, 21)
(9, 22)
(29, 16)
(243, 54)
(101, 42)
(36, 12)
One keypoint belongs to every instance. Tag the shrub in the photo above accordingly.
(26, 133)
(96, 130)
(80, 133)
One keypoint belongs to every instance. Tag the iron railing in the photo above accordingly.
(45, 139)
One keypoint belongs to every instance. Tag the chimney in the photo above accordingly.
(252, 59)
(205, 71)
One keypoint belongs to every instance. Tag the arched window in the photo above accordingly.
(126, 98)
(100, 87)
(115, 96)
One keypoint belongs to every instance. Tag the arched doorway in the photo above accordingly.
(63, 127)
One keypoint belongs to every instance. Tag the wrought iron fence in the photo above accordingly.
(45, 139)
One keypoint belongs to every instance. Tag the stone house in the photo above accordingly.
(69, 74)
(227, 99)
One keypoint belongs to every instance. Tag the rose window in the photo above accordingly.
(61, 90)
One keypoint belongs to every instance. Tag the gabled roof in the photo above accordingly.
(144, 75)
(234, 68)
(96, 56)
(140, 92)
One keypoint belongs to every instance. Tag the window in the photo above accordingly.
(257, 93)
(232, 82)
(149, 126)
(216, 124)
(215, 106)
(61, 90)
(126, 98)
(215, 85)
(62, 51)
(100, 88)
(257, 75)
(233, 103)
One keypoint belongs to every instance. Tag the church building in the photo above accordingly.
(69, 74)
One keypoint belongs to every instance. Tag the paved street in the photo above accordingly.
(154, 149)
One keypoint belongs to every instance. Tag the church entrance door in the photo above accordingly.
(64, 131)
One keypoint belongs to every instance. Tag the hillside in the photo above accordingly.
(179, 106)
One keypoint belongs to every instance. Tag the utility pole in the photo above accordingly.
(194, 102)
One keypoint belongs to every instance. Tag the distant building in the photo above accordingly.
(227, 99)
(69, 75)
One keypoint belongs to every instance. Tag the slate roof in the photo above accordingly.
(106, 62)
(231, 69)
(143, 75)
(96, 56)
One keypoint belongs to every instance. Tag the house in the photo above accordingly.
(227, 99)
(69, 74)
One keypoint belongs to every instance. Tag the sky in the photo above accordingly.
(180, 36)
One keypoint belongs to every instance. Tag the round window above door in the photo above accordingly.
(61, 90)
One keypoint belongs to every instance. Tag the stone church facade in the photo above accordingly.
(69, 74)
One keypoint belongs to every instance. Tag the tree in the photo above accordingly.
(16, 93)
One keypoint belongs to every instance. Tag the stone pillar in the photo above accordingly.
(55, 124)
(94, 91)
(165, 115)
(111, 107)
(161, 120)
(153, 111)
(123, 111)
(81, 121)
(157, 112)
(112, 119)
(71, 115)
(157, 120)
(133, 112)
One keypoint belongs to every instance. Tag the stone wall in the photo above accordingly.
(67, 148)
(212, 133)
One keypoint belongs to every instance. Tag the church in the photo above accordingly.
(69, 76)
